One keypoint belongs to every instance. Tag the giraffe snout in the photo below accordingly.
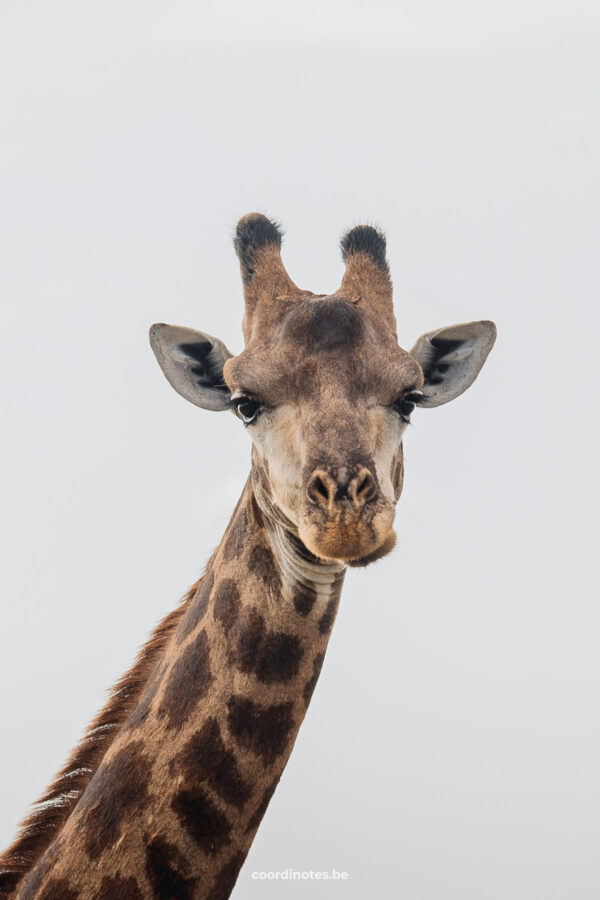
(326, 489)
(344, 514)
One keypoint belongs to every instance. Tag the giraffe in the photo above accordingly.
(164, 794)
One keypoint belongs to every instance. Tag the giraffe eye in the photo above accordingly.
(247, 409)
(405, 405)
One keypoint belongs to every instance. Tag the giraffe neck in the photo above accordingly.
(174, 805)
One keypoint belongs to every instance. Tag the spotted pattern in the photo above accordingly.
(117, 790)
(271, 656)
(304, 599)
(262, 564)
(262, 729)
(168, 871)
(327, 619)
(197, 609)
(115, 887)
(203, 821)
(312, 681)
(205, 772)
(205, 758)
(226, 604)
(189, 681)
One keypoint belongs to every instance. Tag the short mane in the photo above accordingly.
(39, 829)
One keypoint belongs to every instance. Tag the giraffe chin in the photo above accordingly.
(381, 551)
(355, 545)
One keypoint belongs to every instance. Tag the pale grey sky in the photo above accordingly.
(452, 746)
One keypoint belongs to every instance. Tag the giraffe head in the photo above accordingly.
(323, 389)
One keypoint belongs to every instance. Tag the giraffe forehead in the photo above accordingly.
(325, 324)
(319, 349)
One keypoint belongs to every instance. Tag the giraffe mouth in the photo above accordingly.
(383, 550)
(347, 537)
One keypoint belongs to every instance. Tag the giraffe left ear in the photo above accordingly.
(451, 359)
(193, 364)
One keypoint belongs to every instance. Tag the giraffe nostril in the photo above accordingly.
(325, 491)
(363, 488)
(321, 489)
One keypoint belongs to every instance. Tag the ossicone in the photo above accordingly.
(257, 243)
(367, 279)
(255, 232)
(365, 239)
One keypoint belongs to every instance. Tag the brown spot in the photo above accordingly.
(197, 608)
(56, 889)
(246, 639)
(206, 824)
(33, 880)
(118, 790)
(233, 542)
(279, 658)
(38, 871)
(189, 681)
(262, 729)
(273, 657)
(330, 324)
(8, 882)
(262, 564)
(168, 871)
(226, 603)
(142, 710)
(304, 598)
(117, 888)
(327, 619)
(205, 758)
(226, 878)
(256, 512)
(312, 681)
(261, 809)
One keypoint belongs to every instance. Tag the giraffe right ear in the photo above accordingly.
(193, 364)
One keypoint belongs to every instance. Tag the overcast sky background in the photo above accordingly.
(452, 746)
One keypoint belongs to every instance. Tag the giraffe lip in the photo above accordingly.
(352, 539)
(386, 547)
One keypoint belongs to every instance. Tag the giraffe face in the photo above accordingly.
(326, 399)
(324, 390)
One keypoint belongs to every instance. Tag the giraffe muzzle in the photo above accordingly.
(344, 515)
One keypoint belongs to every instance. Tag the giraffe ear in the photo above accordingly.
(193, 364)
(451, 359)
